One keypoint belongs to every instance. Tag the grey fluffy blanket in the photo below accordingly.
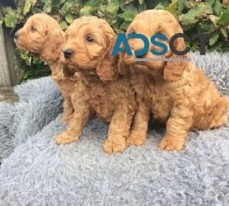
(35, 171)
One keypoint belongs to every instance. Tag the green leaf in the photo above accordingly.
(224, 18)
(225, 32)
(191, 17)
(129, 7)
(1, 21)
(161, 5)
(129, 13)
(173, 7)
(157, 4)
(25, 75)
(217, 7)
(211, 2)
(86, 10)
(181, 6)
(177, 6)
(92, 3)
(63, 24)
(37, 10)
(64, 9)
(9, 11)
(57, 3)
(69, 18)
(195, 46)
(213, 39)
(191, 4)
(27, 7)
(206, 26)
(127, 16)
(217, 46)
(48, 6)
(89, 7)
(141, 1)
(112, 8)
(124, 25)
(188, 27)
(11, 21)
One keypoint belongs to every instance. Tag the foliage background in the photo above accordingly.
(195, 16)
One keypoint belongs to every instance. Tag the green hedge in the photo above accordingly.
(195, 16)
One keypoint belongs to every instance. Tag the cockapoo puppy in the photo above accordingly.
(101, 91)
(43, 36)
(174, 92)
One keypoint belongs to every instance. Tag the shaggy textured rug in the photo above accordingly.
(35, 171)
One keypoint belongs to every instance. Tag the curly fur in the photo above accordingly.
(177, 93)
(43, 36)
(99, 90)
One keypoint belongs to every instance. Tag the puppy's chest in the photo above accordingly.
(66, 86)
(101, 101)
(159, 96)
(65, 82)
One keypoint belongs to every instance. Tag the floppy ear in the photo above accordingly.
(107, 69)
(123, 68)
(51, 47)
(173, 70)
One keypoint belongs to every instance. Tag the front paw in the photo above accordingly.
(114, 145)
(169, 144)
(136, 139)
(66, 138)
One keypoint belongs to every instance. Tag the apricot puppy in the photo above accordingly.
(43, 36)
(175, 92)
(101, 90)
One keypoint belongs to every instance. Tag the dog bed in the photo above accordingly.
(36, 171)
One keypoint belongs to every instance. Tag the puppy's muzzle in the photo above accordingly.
(68, 53)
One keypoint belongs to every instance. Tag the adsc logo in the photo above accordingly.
(121, 45)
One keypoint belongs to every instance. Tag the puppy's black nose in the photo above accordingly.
(16, 35)
(68, 53)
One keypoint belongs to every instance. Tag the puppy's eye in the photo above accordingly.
(33, 29)
(89, 39)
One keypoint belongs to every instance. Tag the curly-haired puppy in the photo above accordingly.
(101, 91)
(175, 92)
(42, 35)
